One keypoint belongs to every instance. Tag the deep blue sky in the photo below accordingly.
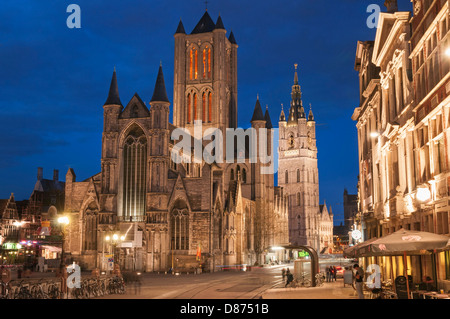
(55, 80)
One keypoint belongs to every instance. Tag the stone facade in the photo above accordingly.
(298, 174)
(403, 129)
(176, 215)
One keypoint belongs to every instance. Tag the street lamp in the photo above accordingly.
(63, 221)
(447, 52)
(116, 239)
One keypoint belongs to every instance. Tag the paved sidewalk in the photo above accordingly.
(333, 290)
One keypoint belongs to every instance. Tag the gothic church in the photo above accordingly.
(173, 215)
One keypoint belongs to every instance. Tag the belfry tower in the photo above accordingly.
(298, 170)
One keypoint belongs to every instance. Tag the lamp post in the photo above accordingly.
(114, 240)
(63, 221)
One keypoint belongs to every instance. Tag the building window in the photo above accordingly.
(189, 108)
(195, 107)
(298, 176)
(244, 176)
(179, 228)
(286, 177)
(134, 174)
(209, 107)
(204, 107)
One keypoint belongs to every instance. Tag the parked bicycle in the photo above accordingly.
(320, 279)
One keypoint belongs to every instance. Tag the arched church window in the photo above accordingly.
(291, 141)
(134, 174)
(204, 107)
(298, 199)
(232, 175)
(244, 176)
(189, 108)
(209, 63)
(298, 176)
(286, 177)
(209, 107)
(179, 226)
(195, 107)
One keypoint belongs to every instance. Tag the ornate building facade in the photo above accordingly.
(298, 174)
(403, 127)
(170, 214)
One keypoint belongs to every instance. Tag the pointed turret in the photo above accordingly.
(295, 75)
(257, 113)
(231, 38)
(269, 125)
(311, 115)
(282, 115)
(219, 23)
(180, 29)
(113, 96)
(160, 93)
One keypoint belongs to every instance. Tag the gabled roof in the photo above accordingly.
(388, 26)
(206, 24)
(113, 95)
(160, 93)
(135, 109)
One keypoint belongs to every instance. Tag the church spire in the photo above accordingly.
(160, 93)
(113, 95)
(295, 75)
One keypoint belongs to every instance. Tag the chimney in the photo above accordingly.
(40, 173)
(55, 175)
(391, 6)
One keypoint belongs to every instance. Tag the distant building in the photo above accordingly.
(350, 209)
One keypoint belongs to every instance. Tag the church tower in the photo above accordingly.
(298, 169)
(205, 76)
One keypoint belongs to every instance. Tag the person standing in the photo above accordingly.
(334, 273)
(359, 276)
(328, 271)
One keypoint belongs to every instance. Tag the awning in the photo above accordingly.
(52, 248)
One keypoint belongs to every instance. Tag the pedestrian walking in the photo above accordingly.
(334, 273)
(328, 271)
(290, 278)
(359, 277)
(283, 273)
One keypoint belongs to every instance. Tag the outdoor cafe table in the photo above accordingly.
(423, 294)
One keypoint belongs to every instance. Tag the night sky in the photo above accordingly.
(55, 80)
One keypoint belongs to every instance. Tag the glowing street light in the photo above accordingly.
(374, 135)
(423, 194)
(447, 52)
(63, 221)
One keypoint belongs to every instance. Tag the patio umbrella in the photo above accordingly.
(401, 243)
(351, 252)
(411, 242)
